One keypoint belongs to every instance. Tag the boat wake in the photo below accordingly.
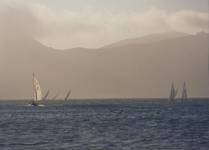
(39, 105)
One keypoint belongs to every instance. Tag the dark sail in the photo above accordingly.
(67, 96)
(184, 93)
(173, 93)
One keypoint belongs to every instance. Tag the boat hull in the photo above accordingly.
(35, 104)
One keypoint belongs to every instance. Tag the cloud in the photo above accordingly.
(18, 19)
(92, 27)
(189, 21)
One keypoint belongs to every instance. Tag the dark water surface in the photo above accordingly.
(105, 125)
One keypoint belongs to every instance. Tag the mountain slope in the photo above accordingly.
(147, 39)
(133, 70)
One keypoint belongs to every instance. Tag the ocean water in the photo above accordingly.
(105, 125)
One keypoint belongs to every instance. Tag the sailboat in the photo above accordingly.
(184, 93)
(37, 94)
(173, 93)
(67, 96)
(46, 95)
(55, 97)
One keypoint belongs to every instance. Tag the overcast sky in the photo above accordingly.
(94, 23)
(126, 5)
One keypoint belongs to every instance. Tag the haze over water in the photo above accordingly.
(97, 60)
(112, 49)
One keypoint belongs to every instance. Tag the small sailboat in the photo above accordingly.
(46, 95)
(67, 96)
(184, 93)
(37, 94)
(173, 93)
(55, 97)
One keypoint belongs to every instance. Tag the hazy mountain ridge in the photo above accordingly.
(152, 38)
(133, 70)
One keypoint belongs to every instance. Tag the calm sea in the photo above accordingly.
(105, 125)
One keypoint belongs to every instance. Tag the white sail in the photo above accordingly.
(37, 94)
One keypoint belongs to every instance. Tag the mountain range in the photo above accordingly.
(139, 67)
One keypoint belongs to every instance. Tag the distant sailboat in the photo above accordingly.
(37, 94)
(184, 93)
(46, 95)
(67, 96)
(173, 93)
(55, 97)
